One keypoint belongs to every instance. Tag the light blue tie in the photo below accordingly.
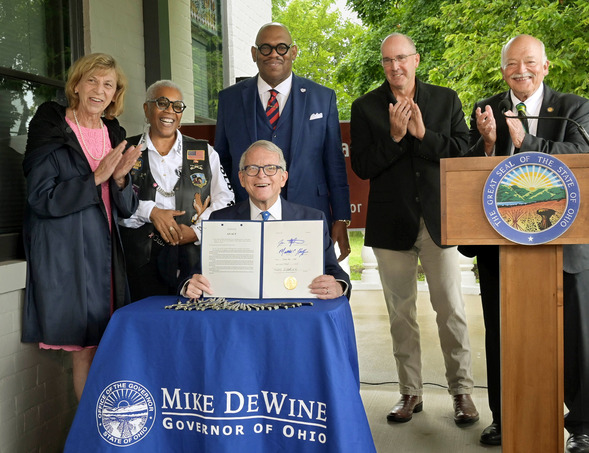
(265, 215)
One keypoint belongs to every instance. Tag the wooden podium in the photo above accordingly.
(531, 301)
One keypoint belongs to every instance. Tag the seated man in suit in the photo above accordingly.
(262, 172)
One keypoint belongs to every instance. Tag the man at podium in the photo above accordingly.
(524, 65)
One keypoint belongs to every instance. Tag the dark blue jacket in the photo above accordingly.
(72, 258)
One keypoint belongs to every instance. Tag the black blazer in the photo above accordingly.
(405, 176)
(552, 137)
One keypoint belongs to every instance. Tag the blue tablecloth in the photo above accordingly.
(224, 381)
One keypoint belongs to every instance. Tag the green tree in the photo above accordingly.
(323, 38)
(362, 64)
(472, 55)
(460, 42)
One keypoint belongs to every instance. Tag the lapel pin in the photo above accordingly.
(550, 109)
(303, 90)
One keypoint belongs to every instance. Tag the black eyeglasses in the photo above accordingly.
(163, 103)
(253, 170)
(281, 49)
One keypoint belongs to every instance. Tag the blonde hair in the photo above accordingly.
(96, 62)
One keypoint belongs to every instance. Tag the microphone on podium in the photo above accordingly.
(505, 105)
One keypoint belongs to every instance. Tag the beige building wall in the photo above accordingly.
(241, 22)
(181, 53)
(116, 27)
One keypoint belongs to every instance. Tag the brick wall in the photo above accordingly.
(37, 402)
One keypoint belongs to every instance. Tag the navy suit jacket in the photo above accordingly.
(552, 137)
(317, 169)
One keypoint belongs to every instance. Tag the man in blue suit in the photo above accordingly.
(300, 117)
(262, 173)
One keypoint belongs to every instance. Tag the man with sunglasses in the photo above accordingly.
(299, 116)
(179, 181)
(262, 173)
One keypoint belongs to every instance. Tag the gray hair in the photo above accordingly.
(266, 145)
(149, 95)
(510, 42)
(411, 42)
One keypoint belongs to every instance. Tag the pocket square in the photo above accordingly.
(315, 116)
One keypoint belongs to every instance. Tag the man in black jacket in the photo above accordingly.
(400, 131)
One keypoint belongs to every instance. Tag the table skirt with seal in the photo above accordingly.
(282, 380)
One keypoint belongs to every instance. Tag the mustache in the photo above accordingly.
(523, 74)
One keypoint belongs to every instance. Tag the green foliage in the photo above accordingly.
(363, 63)
(474, 47)
(323, 38)
(355, 258)
(459, 42)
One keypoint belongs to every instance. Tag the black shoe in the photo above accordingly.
(491, 435)
(578, 443)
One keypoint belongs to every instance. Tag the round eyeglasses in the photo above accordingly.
(163, 103)
(269, 170)
(281, 49)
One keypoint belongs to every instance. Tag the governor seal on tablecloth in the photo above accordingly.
(125, 413)
(531, 198)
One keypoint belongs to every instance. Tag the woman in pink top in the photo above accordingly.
(78, 187)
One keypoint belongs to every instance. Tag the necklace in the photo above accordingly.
(163, 192)
(99, 158)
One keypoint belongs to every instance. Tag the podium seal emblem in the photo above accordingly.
(531, 198)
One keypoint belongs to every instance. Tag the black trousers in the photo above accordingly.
(147, 280)
(488, 266)
(576, 339)
(576, 351)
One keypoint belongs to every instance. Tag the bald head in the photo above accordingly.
(264, 27)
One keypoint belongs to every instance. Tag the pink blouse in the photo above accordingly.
(98, 141)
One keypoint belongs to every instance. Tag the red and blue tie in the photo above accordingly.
(272, 111)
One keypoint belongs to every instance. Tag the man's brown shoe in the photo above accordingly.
(403, 411)
(465, 413)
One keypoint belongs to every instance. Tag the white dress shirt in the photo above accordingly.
(283, 89)
(533, 105)
(166, 172)
(275, 211)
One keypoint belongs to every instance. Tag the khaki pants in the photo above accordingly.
(398, 274)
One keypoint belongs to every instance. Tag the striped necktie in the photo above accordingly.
(272, 111)
(522, 114)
